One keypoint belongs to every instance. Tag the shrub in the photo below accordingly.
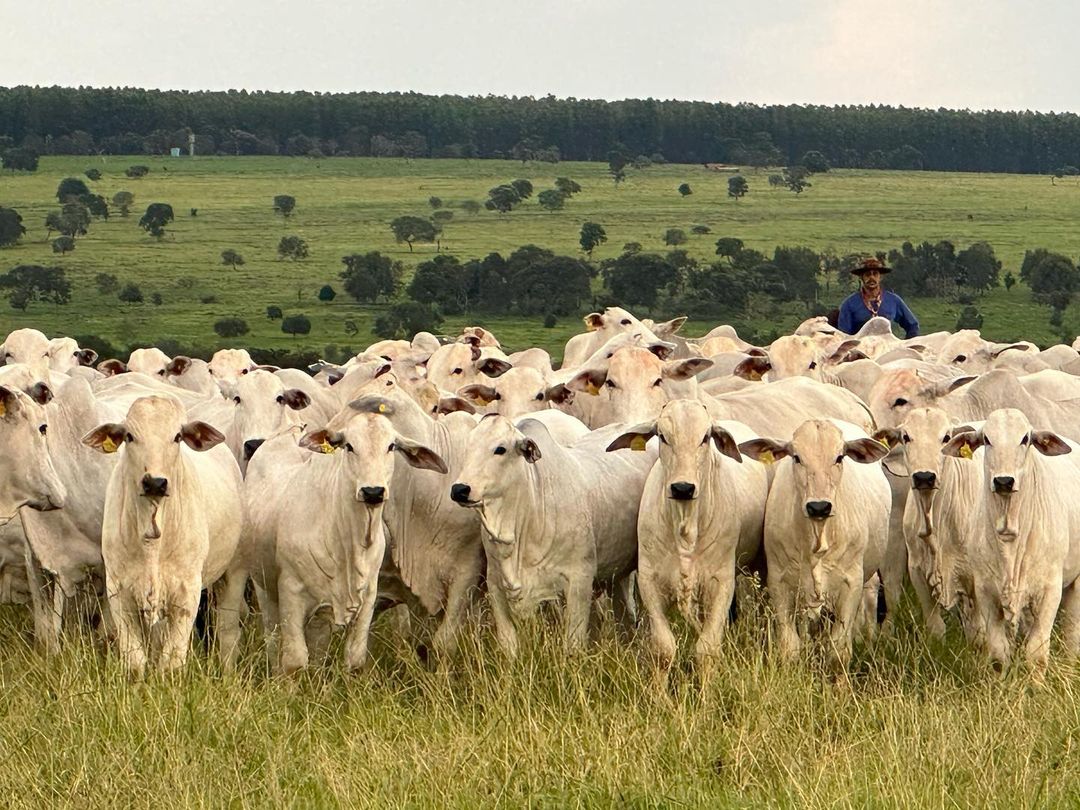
(231, 327)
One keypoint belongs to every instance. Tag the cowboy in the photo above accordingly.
(873, 301)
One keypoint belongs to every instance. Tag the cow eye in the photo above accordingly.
(211, 371)
(905, 438)
(945, 439)
(840, 459)
(236, 400)
(960, 358)
(245, 371)
(609, 383)
(813, 365)
(1024, 441)
(796, 459)
(662, 439)
(539, 397)
(280, 397)
(500, 450)
(986, 441)
(129, 438)
(659, 380)
(625, 321)
(43, 429)
(348, 447)
(177, 438)
(390, 449)
(161, 372)
(456, 371)
(900, 402)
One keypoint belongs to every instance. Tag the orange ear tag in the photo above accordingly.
(638, 443)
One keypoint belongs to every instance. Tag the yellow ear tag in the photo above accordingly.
(767, 457)
(592, 390)
(965, 451)
(638, 443)
(109, 446)
(885, 441)
(326, 447)
(3, 410)
(382, 409)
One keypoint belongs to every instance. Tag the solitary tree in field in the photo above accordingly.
(157, 216)
(1010, 281)
(369, 276)
(107, 283)
(123, 200)
(674, 237)
(502, 198)
(71, 188)
(523, 187)
(93, 174)
(130, 294)
(231, 258)
(551, 199)
(327, 293)
(567, 186)
(96, 205)
(72, 220)
(618, 160)
(284, 205)
(737, 187)
(795, 179)
(273, 313)
(20, 160)
(435, 202)
(443, 216)
(409, 229)
(135, 172)
(11, 227)
(63, 244)
(728, 246)
(685, 190)
(592, 236)
(700, 230)
(231, 327)
(296, 325)
(292, 247)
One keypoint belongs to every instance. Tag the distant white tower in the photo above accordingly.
(191, 144)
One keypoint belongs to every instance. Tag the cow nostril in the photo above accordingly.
(682, 490)
(250, 446)
(155, 487)
(818, 509)
(373, 495)
(1004, 483)
(459, 493)
(923, 480)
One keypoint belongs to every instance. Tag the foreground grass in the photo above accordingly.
(344, 205)
(920, 725)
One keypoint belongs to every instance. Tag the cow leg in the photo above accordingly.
(995, 635)
(46, 603)
(787, 634)
(623, 605)
(293, 616)
(268, 607)
(458, 599)
(576, 616)
(716, 599)
(1037, 645)
(847, 602)
(229, 597)
(359, 630)
(317, 632)
(179, 623)
(931, 612)
(130, 638)
(1070, 617)
(661, 639)
(505, 632)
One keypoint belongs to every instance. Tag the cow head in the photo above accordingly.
(28, 477)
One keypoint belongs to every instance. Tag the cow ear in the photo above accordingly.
(843, 349)
(86, 357)
(200, 436)
(1049, 443)
(590, 380)
(559, 395)
(9, 401)
(475, 352)
(454, 404)
(865, 451)
(106, 438)
(494, 367)
(662, 349)
(852, 356)
(593, 321)
(948, 386)
(680, 370)
(419, 456)
(529, 449)
(726, 443)
(295, 398)
(962, 445)
(890, 437)
(635, 438)
(764, 450)
(480, 394)
(668, 328)
(1000, 349)
(334, 377)
(753, 367)
(322, 441)
(111, 368)
(385, 368)
(178, 365)
(41, 393)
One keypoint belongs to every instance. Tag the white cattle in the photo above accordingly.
(227, 366)
(701, 516)
(517, 392)
(557, 519)
(172, 522)
(826, 523)
(458, 364)
(778, 408)
(181, 372)
(601, 328)
(330, 552)
(28, 478)
(1026, 558)
(942, 514)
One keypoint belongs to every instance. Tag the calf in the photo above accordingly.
(826, 523)
(171, 525)
(701, 515)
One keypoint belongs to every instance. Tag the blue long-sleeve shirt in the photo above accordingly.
(854, 314)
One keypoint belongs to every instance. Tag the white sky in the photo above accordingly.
(991, 54)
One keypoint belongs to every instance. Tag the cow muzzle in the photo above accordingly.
(818, 510)
(683, 491)
(459, 493)
(155, 487)
(373, 496)
(1004, 484)
(923, 480)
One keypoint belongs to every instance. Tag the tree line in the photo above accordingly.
(83, 121)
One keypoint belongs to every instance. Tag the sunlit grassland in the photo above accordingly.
(344, 205)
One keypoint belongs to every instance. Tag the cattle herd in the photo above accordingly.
(652, 467)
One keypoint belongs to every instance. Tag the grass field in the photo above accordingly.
(921, 725)
(344, 205)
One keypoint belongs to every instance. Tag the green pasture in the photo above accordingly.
(344, 205)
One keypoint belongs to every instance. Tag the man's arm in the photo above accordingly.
(906, 318)
(846, 322)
